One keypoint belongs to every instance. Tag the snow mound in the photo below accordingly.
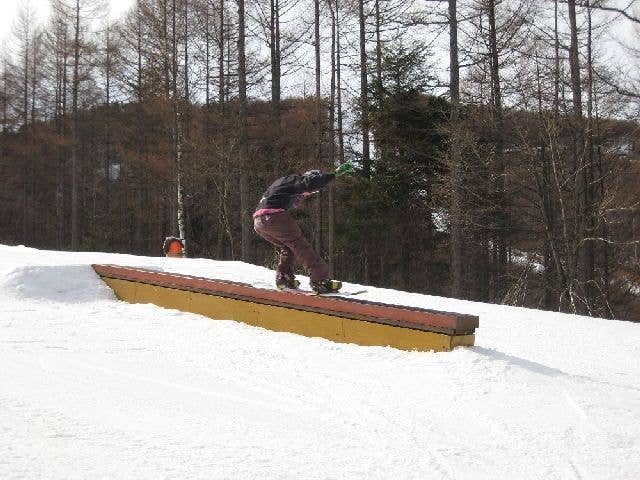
(58, 283)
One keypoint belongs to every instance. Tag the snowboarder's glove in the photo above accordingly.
(344, 169)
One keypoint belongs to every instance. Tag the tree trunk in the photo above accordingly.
(243, 140)
(165, 47)
(455, 153)
(139, 53)
(207, 53)
(318, 153)
(187, 94)
(378, 50)
(501, 222)
(25, 77)
(364, 96)
(75, 161)
(574, 61)
(176, 128)
(107, 207)
(588, 260)
(274, 31)
(318, 99)
(25, 26)
(332, 144)
(221, 77)
(34, 74)
(62, 130)
(585, 260)
(141, 139)
(556, 73)
(5, 97)
(184, 120)
(339, 86)
(276, 108)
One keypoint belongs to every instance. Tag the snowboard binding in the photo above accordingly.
(285, 281)
(326, 286)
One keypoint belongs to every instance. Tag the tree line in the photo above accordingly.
(495, 141)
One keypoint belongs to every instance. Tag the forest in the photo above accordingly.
(496, 142)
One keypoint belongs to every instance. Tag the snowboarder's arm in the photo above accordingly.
(316, 182)
(345, 169)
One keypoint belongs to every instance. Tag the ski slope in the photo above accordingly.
(94, 388)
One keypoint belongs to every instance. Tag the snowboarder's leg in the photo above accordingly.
(285, 277)
(286, 260)
(284, 229)
(317, 268)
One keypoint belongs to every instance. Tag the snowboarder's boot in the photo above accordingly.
(326, 286)
(284, 281)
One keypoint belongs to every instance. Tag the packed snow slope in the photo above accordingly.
(94, 388)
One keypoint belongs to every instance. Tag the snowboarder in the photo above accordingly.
(273, 222)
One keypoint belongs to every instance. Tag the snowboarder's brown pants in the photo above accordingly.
(283, 232)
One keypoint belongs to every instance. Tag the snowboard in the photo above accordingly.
(314, 294)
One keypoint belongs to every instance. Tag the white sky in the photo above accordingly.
(9, 12)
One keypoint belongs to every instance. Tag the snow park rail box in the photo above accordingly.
(340, 319)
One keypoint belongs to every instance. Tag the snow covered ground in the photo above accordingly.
(93, 388)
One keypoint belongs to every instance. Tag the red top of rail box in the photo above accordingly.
(402, 316)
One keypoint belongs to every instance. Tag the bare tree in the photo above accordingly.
(4, 94)
(501, 207)
(339, 115)
(583, 186)
(243, 138)
(58, 48)
(24, 33)
(77, 13)
(364, 91)
(455, 157)
(221, 58)
(75, 161)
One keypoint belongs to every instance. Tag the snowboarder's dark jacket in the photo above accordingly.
(287, 192)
